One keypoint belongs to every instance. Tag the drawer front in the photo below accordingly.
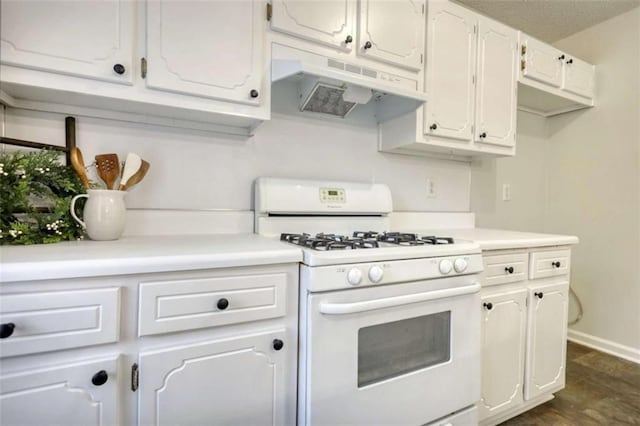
(504, 268)
(48, 321)
(549, 263)
(167, 306)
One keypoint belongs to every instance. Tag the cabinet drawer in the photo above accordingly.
(549, 263)
(48, 321)
(504, 268)
(167, 306)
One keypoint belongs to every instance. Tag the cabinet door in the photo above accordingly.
(547, 339)
(503, 348)
(394, 31)
(496, 85)
(78, 38)
(62, 395)
(451, 59)
(542, 62)
(207, 48)
(238, 381)
(327, 22)
(579, 77)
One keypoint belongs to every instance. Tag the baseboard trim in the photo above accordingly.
(606, 346)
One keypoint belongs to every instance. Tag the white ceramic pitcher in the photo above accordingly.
(104, 213)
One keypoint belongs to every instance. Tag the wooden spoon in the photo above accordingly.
(131, 166)
(137, 176)
(108, 167)
(78, 165)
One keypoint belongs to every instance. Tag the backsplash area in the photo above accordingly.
(201, 170)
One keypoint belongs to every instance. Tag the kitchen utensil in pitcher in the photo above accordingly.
(131, 166)
(137, 176)
(108, 167)
(78, 165)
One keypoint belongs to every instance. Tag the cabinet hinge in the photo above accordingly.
(524, 50)
(269, 11)
(473, 79)
(421, 58)
(523, 64)
(423, 9)
(135, 377)
(475, 29)
(143, 67)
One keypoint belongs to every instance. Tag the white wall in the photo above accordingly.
(200, 170)
(579, 174)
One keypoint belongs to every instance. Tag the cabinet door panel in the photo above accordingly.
(542, 62)
(579, 78)
(547, 339)
(238, 381)
(395, 30)
(62, 395)
(211, 49)
(76, 38)
(496, 85)
(326, 22)
(451, 51)
(503, 351)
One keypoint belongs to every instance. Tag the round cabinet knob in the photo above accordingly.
(119, 69)
(367, 45)
(445, 266)
(348, 40)
(254, 93)
(483, 135)
(375, 274)
(222, 304)
(433, 126)
(570, 61)
(6, 330)
(354, 276)
(539, 295)
(488, 306)
(555, 264)
(100, 378)
(278, 344)
(561, 57)
(460, 265)
(509, 269)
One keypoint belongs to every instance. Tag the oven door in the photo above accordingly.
(402, 354)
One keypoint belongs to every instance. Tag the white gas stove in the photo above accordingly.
(389, 322)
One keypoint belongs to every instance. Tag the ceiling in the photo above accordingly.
(551, 20)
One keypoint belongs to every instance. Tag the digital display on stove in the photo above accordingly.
(330, 192)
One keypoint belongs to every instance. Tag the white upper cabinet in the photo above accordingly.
(451, 60)
(392, 31)
(328, 22)
(496, 101)
(213, 49)
(382, 30)
(542, 62)
(579, 77)
(76, 38)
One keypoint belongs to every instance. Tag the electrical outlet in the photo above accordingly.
(506, 192)
(431, 188)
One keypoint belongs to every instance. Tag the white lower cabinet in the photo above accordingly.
(524, 334)
(83, 393)
(238, 381)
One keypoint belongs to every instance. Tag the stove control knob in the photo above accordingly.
(445, 266)
(375, 274)
(354, 276)
(460, 265)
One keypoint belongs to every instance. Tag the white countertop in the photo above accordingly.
(141, 254)
(498, 239)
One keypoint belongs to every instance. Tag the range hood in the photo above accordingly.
(336, 88)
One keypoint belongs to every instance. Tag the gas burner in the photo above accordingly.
(324, 241)
(409, 239)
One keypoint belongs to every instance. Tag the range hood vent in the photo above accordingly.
(336, 88)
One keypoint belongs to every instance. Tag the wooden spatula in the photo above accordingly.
(108, 167)
(78, 165)
(131, 166)
(137, 176)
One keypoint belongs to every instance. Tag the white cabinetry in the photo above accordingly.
(553, 81)
(87, 39)
(210, 49)
(387, 31)
(238, 381)
(524, 331)
(470, 80)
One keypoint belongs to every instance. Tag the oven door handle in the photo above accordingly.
(392, 302)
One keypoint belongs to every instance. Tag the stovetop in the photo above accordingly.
(362, 240)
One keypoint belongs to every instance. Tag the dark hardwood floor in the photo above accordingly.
(601, 390)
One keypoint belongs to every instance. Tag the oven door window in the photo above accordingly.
(392, 349)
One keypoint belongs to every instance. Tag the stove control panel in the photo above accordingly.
(332, 195)
(354, 276)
